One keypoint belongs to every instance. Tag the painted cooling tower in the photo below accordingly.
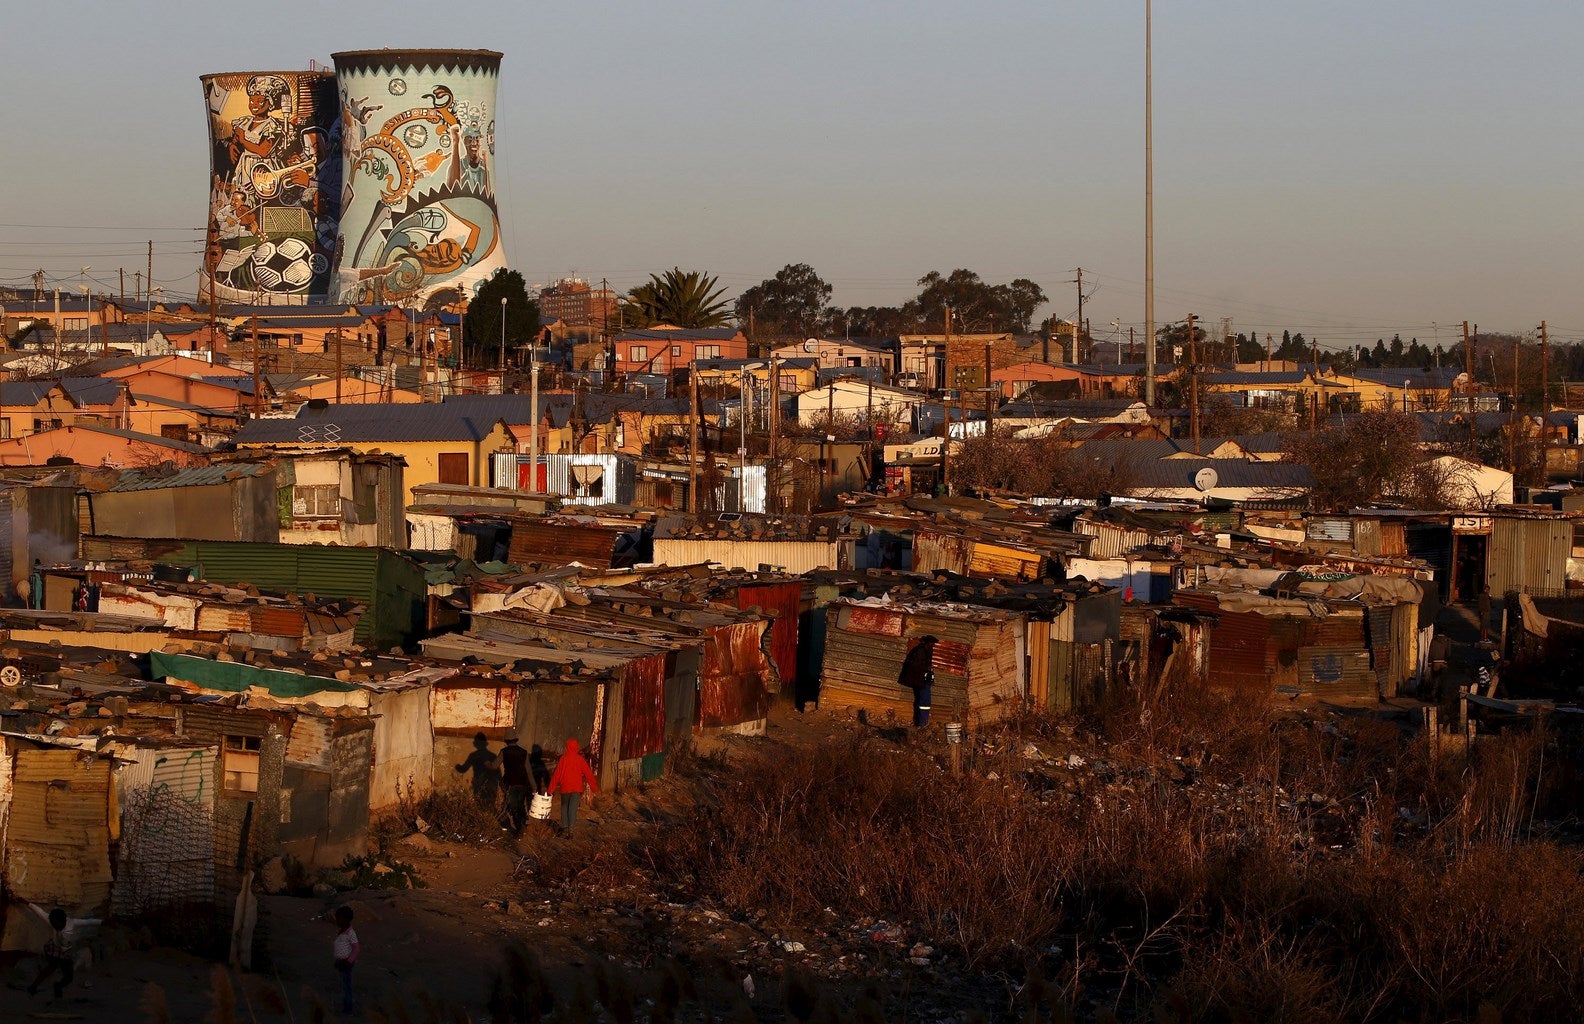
(274, 186)
(418, 219)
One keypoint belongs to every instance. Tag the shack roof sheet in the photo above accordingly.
(197, 476)
(371, 422)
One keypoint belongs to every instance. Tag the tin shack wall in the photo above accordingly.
(733, 693)
(782, 601)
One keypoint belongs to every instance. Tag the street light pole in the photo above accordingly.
(503, 347)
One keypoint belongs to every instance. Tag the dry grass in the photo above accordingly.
(1220, 894)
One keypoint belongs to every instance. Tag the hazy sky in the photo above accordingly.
(1348, 169)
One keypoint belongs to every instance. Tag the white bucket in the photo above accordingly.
(540, 807)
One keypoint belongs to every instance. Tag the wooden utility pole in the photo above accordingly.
(137, 286)
(945, 466)
(123, 291)
(773, 469)
(1468, 387)
(257, 388)
(338, 364)
(1077, 352)
(989, 397)
(1545, 427)
(104, 327)
(693, 432)
(1193, 384)
(149, 280)
(1512, 416)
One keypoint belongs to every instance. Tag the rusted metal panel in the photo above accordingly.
(1344, 627)
(275, 621)
(939, 551)
(1239, 644)
(1003, 562)
(732, 690)
(1336, 672)
(1366, 537)
(539, 542)
(643, 707)
(782, 601)
(1393, 539)
(470, 709)
(874, 621)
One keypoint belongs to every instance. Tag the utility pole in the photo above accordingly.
(257, 389)
(693, 432)
(137, 286)
(1149, 217)
(1512, 416)
(773, 469)
(1130, 343)
(989, 397)
(1545, 427)
(1078, 325)
(123, 291)
(1468, 387)
(149, 280)
(1193, 383)
(338, 364)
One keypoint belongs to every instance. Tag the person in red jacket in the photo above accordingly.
(572, 775)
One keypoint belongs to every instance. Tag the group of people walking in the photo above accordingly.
(524, 776)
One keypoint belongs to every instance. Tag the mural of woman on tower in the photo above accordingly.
(419, 225)
(275, 186)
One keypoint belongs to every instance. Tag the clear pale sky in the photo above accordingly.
(1347, 169)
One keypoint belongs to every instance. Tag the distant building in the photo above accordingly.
(662, 348)
(578, 311)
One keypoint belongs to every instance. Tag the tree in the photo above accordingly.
(679, 298)
(1046, 466)
(976, 306)
(791, 303)
(484, 316)
(1369, 456)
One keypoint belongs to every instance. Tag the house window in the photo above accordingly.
(5, 428)
(45, 424)
(241, 765)
(454, 468)
(316, 501)
(676, 350)
(638, 354)
(706, 352)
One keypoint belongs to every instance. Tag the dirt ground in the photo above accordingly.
(577, 908)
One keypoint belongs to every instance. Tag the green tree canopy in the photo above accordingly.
(793, 302)
(976, 305)
(677, 297)
(484, 316)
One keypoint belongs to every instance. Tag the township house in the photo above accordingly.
(664, 349)
(445, 443)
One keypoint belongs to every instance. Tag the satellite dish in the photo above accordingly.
(1205, 479)
(810, 344)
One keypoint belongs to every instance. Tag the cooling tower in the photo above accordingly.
(274, 186)
(418, 219)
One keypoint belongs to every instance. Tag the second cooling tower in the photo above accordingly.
(419, 225)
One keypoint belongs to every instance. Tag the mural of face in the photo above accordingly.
(276, 183)
(419, 214)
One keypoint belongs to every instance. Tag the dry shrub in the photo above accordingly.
(1277, 881)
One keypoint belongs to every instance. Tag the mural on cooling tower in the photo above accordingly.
(418, 218)
(274, 185)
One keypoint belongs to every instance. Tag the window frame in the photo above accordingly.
(244, 751)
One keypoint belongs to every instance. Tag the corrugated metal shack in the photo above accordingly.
(980, 664)
(228, 502)
(739, 540)
(393, 694)
(608, 696)
(1528, 551)
(37, 522)
(389, 583)
(217, 613)
(57, 822)
(1350, 637)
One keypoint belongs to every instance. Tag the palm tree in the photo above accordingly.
(679, 298)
